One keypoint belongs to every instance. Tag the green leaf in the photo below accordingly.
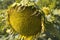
(52, 4)
(18, 1)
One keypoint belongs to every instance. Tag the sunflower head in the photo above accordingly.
(23, 19)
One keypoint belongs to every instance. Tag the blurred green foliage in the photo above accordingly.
(5, 3)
